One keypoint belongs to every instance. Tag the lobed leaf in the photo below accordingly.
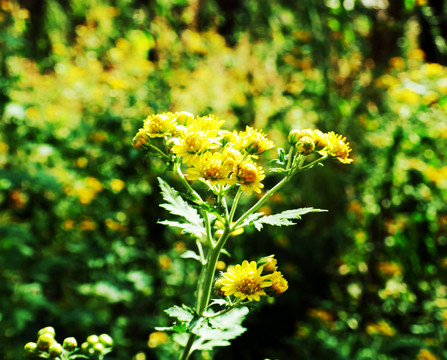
(176, 205)
(284, 218)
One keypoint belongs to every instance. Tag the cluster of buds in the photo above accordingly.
(308, 141)
(47, 347)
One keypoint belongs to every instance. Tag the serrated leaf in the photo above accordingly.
(284, 218)
(251, 218)
(221, 302)
(218, 331)
(176, 205)
(189, 254)
(183, 313)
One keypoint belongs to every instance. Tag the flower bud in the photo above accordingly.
(279, 285)
(92, 339)
(269, 263)
(98, 348)
(70, 344)
(55, 349)
(294, 136)
(85, 347)
(217, 289)
(106, 340)
(31, 349)
(184, 118)
(305, 145)
(47, 330)
(141, 140)
(45, 340)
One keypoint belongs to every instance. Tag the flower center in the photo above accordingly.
(248, 285)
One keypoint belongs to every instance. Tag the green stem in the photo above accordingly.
(260, 202)
(233, 207)
(159, 151)
(205, 286)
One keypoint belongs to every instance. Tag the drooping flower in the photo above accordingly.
(338, 148)
(249, 176)
(141, 139)
(245, 281)
(269, 262)
(317, 137)
(279, 284)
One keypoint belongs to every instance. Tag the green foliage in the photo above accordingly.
(78, 77)
(283, 218)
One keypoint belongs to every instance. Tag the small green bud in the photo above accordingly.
(106, 340)
(31, 349)
(305, 145)
(92, 339)
(217, 288)
(45, 340)
(98, 347)
(85, 347)
(70, 344)
(55, 349)
(47, 330)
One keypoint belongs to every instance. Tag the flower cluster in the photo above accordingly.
(251, 280)
(330, 144)
(46, 346)
(213, 155)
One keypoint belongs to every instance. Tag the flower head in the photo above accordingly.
(338, 148)
(159, 125)
(245, 281)
(255, 142)
(279, 284)
(211, 167)
(249, 176)
(269, 263)
(193, 143)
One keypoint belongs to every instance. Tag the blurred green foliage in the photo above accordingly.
(80, 247)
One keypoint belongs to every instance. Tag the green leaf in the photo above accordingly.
(284, 218)
(189, 254)
(176, 205)
(218, 331)
(251, 219)
(184, 313)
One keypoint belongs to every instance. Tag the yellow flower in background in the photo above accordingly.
(245, 281)
(425, 354)
(157, 338)
(249, 176)
(380, 328)
(211, 167)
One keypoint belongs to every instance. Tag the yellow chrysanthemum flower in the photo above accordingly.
(249, 176)
(279, 284)
(211, 167)
(338, 148)
(160, 125)
(245, 281)
(194, 143)
(254, 142)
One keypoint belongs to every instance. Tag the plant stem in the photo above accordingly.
(205, 285)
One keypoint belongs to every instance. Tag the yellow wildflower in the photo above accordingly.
(193, 143)
(317, 137)
(206, 123)
(269, 263)
(279, 284)
(254, 142)
(380, 328)
(211, 167)
(245, 281)
(141, 139)
(159, 125)
(249, 176)
(338, 148)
